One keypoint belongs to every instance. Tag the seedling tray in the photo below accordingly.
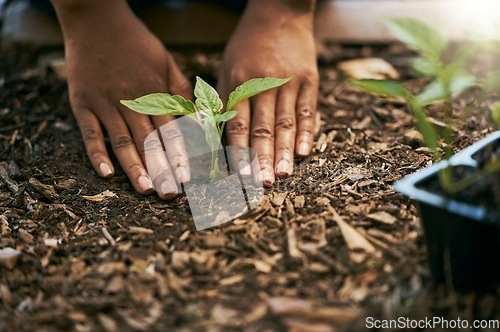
(463, 239)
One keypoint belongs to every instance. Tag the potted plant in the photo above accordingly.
(459, 195)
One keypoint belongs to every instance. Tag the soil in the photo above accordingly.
(124, 262)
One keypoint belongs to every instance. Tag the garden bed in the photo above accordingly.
(121, 261)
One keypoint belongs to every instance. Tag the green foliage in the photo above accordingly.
(387, 88)
(439, 91)
(207, 109)
(207, 99)
(253, 87)
(448, 80)
(160, 104)
(418, 36)
(495, 113)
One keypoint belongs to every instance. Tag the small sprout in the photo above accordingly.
(206, 111)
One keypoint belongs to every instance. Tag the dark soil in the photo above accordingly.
(124, 262)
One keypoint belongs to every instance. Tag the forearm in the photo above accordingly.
(85, 22)
(295, 6)
(89, 12)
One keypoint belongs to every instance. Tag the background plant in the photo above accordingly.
(206, 111)
(449, 77)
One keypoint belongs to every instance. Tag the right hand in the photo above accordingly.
(110, 56)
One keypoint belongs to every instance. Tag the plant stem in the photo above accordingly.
(215, 173)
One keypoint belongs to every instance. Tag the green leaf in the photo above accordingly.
(225, 117)
(436, 90)
(425, 67)
(429, 133)
(383, 87)
(418, 35)
(495, 113)
(160, 104)
(253, 87)
(492, 83)
(207, 99)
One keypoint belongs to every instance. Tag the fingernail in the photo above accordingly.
(105, 170)
(244, 168)
(168, 187)
(283, 168)
(182, 175)
(145, 183)
(266, 177)
(303, 149)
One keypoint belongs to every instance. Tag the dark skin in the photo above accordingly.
(111, 55)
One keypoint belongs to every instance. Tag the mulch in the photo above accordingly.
(119, 261)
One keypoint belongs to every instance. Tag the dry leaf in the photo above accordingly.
(102, 196)
(368, 68)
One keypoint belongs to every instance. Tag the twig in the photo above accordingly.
(108, 236)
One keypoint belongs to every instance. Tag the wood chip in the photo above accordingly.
(53, 243)
(368, 68)
(262, 266)
(9, 257)
(383, 217)
(25, 236)
(179, 260)
(232, 280)
(299, 201)
(278, 199)
(45, 190)
(307, 309)
(102, 196)
(293, 249)
(214, 240)
(353, 238)
(140, 230)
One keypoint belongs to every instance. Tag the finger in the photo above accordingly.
(262, 134)
(94, 141)
(237, 130)
(126, 152)
(158, 167)
(171, 134)
(140, 127)
(173, 140)
(306, 110)
(285, 130)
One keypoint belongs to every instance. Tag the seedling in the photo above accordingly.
(206, 111)
(448, 80)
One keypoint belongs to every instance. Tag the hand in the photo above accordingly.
(273, 39)
(111, 56)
